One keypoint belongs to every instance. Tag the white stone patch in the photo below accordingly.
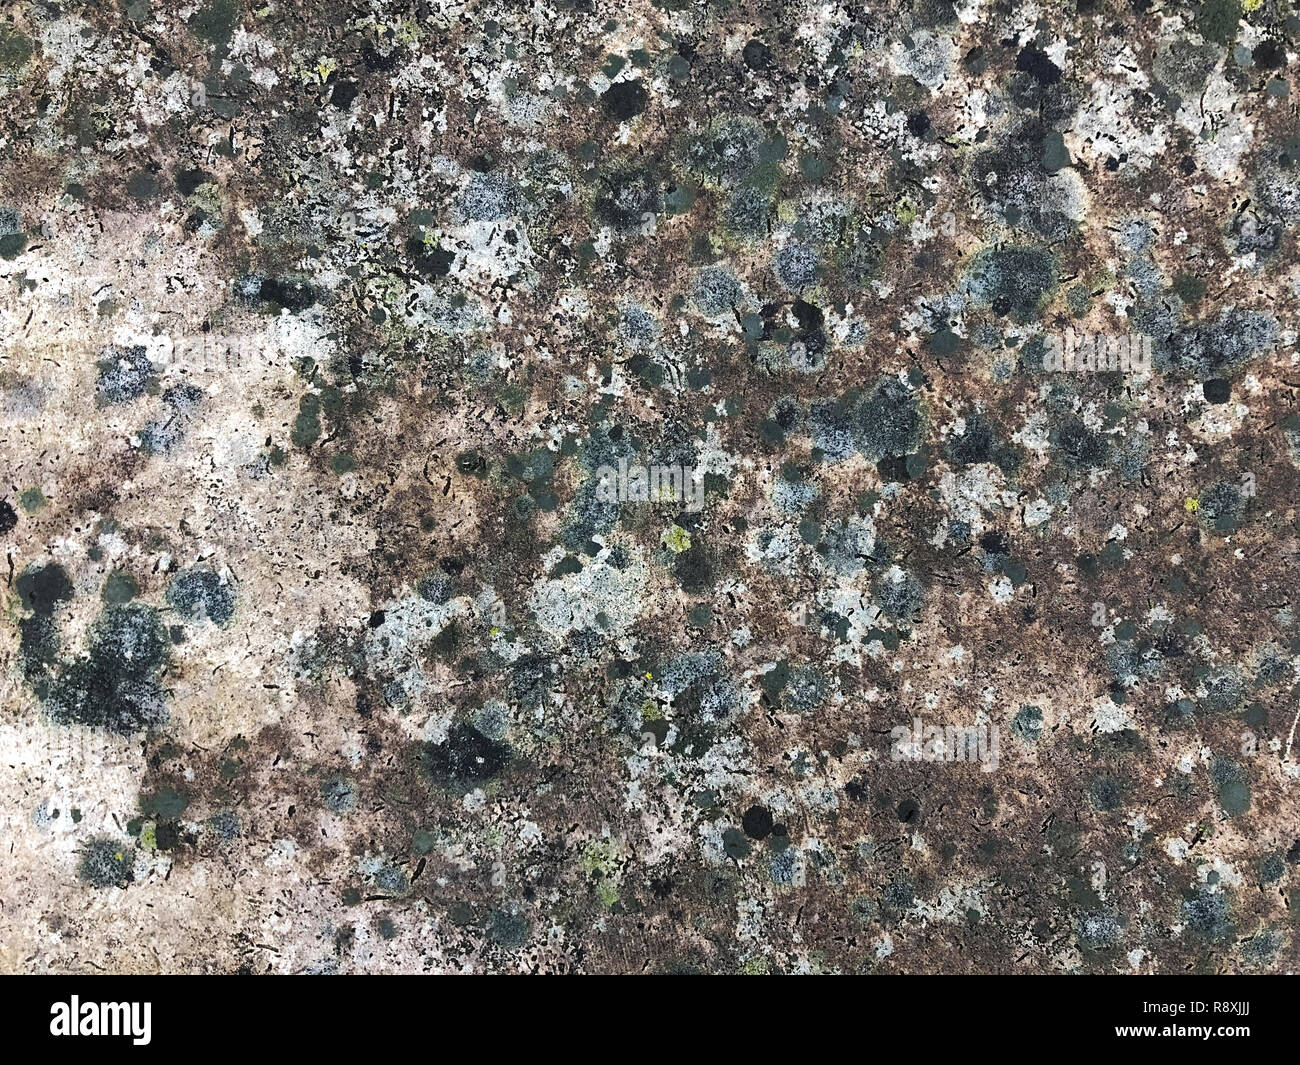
(1037, 512)
(1103, 128)
(1109, 717)
(971, 492)
(1002, 590)
(574, 600)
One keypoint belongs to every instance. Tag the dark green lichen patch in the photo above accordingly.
(42, 587)
(339, 793)
(1014, 281)
(106, 863)
(202, 593)
(124, 374)
(1208, 914)
(1230, 785)
(115, 685)
(215, 22)
(15, 48)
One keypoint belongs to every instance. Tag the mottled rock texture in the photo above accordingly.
(331, 643)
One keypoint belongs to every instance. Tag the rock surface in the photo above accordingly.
(583, 487)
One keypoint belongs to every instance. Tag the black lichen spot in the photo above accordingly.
(1033, 61)
(1217, 390)
(189, 181)
(172, 836)
(38, 647)
(428, 259)
(978, 444)
(290, 294)
(808, 315)
(199, 593)
(470, 463)
(694, 570)
(1269, 54)
(343, 95)
(757, 822)
(1079, 447)
(8, 517)
(106, 863)
(124, 374)
(380, 62)
(624, 100)
(466, 758)
(757, 55)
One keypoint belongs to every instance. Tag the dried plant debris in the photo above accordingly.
(649, 487)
